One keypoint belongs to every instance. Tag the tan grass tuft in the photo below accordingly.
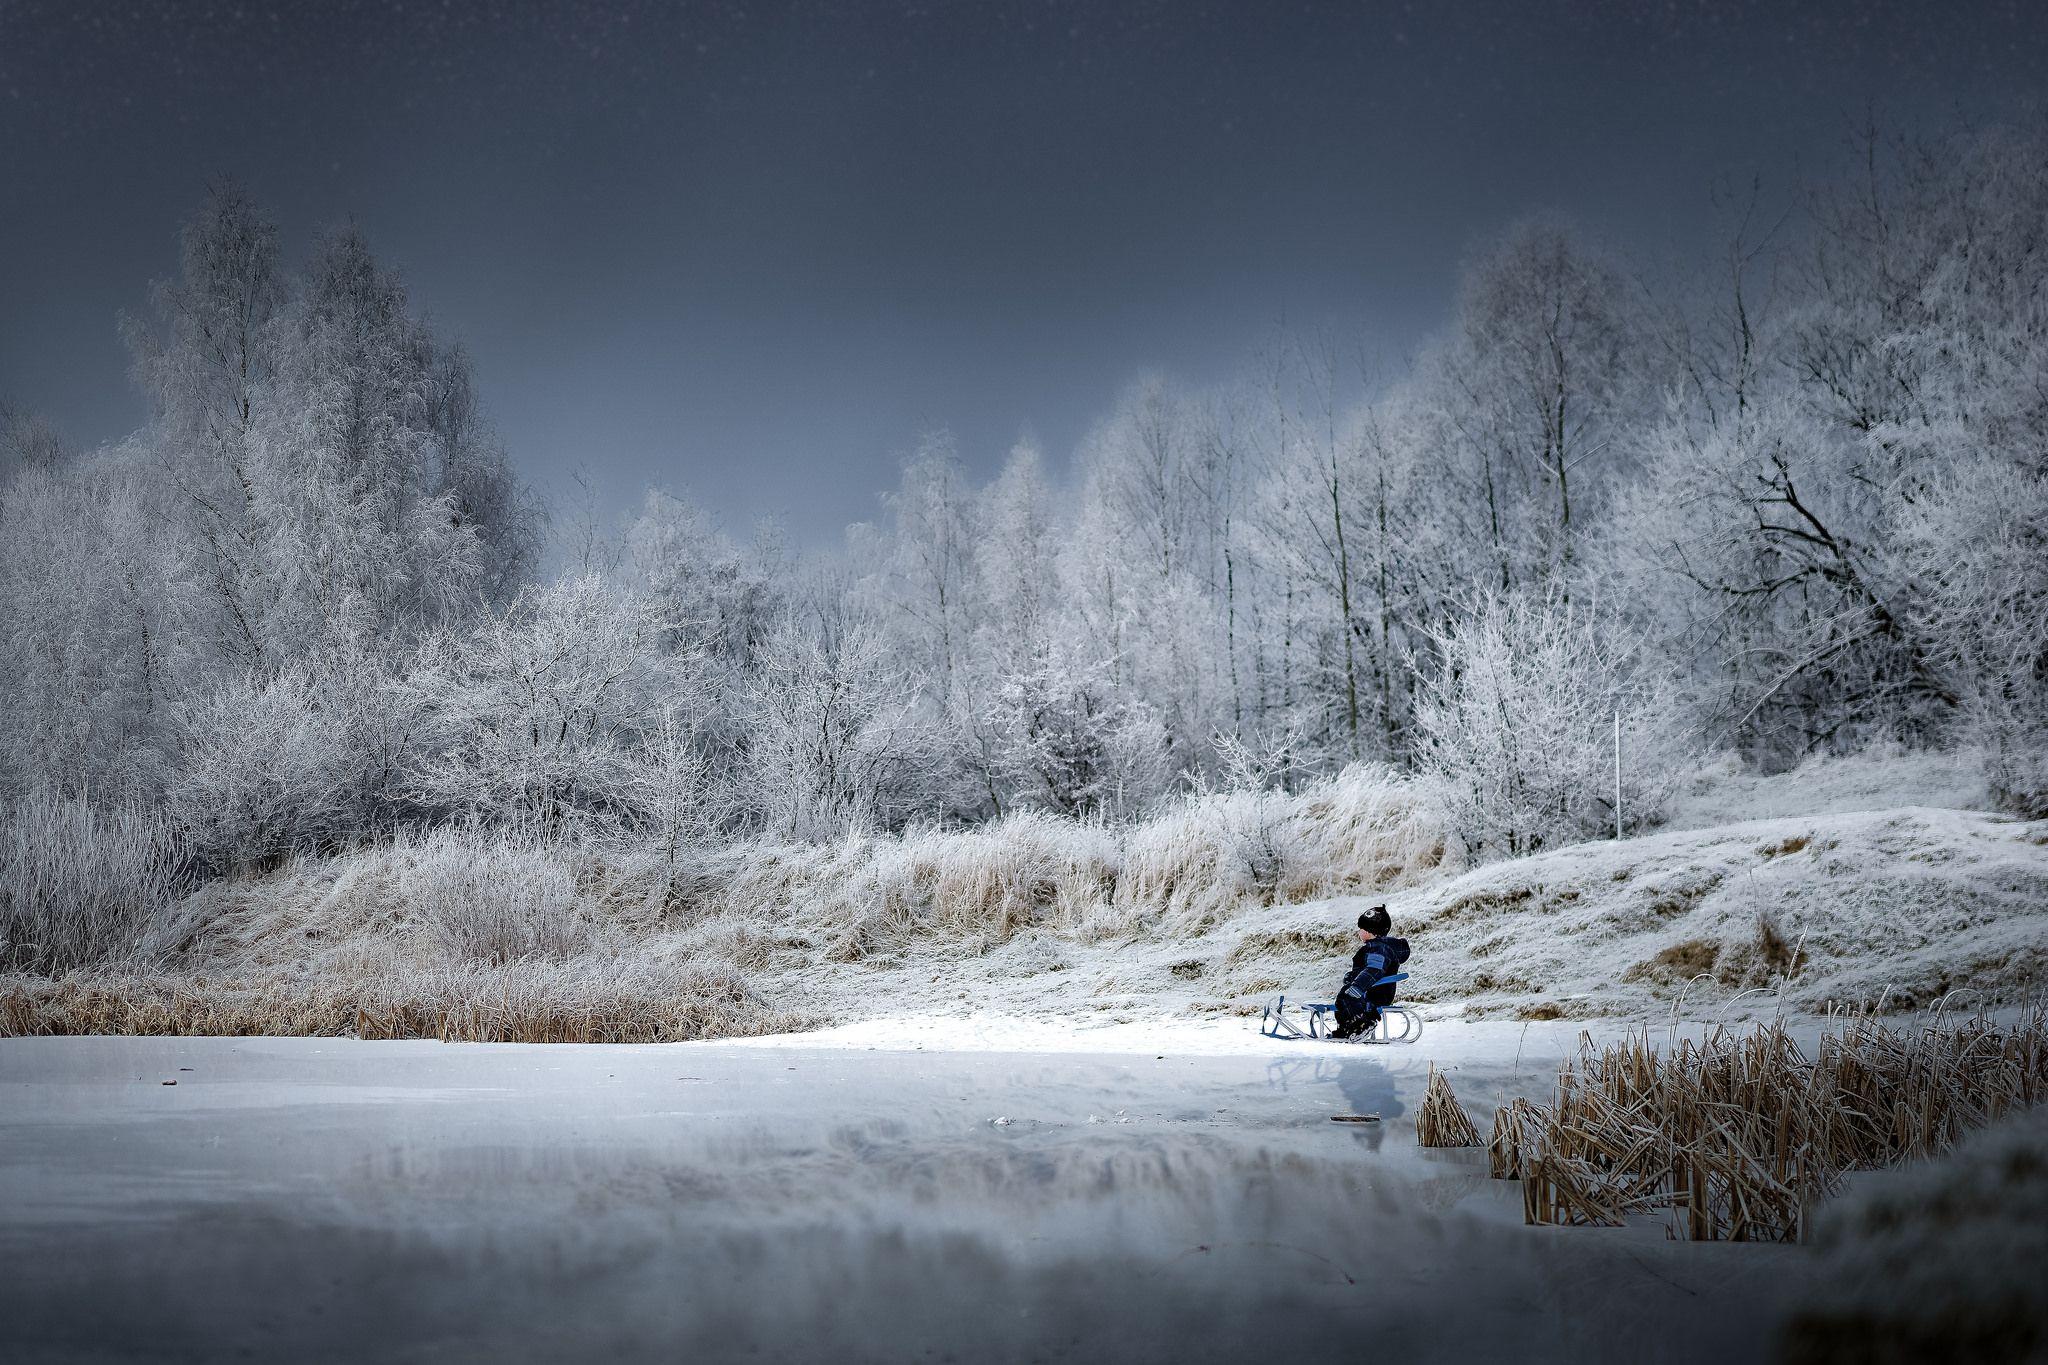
(1738, 1135)
(1510, 1138)
(526, 1002)
(1440, 1121)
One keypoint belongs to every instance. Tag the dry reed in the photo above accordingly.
(1440, 1121)
(1195, 863)
(1738, 1135)
(1506, 1143)
(530, 1002)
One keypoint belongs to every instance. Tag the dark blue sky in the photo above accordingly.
(750, 251)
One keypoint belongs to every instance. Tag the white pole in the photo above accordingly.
(1617, 774)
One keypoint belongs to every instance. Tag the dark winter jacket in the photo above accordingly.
(1381, 957)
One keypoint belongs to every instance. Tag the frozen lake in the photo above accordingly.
(811, 1199)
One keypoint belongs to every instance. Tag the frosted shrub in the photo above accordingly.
(537, 716)
(493, 899)
(81, 887)
(832, 744)
(1517, 724)
(680, 798)
(267, 767)
(1064, 738)
(1977, 547)
(1203, 858)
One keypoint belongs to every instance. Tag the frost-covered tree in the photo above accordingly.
(1976, 545)
(1533, 383)
(468, 471)
(1347, 519)
(28, 441)
(1016, 549)
(1062, 736)
(926, 584)
(89, 644)
(717, 599)
(1920, 357)
(1789, 491)
(1016, 555)
(364, 539)
(1143, 564)
(206, 361)
(1519, 719)
(332, 474)
(537, 716)
(833, 745)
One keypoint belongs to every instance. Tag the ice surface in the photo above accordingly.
(811, 1198)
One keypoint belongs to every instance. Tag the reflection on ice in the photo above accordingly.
(551, 1202)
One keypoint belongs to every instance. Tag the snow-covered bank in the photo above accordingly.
(486, 937)
(320, 1199)
(1887, 908)
(1891, 907)
(1940, 1260)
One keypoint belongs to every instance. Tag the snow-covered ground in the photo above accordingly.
(1893, 907)
(1878, 778)
(313, 1199)
(1873, 880)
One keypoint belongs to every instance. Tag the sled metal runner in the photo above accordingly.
(1317, 1023)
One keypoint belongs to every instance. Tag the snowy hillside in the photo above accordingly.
(1882, 777)
(1810, 910)
(1898, 906)
(1210, 909)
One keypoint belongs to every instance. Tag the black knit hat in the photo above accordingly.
(1376, 921)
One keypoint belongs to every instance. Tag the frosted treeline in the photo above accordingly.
(1795, 498)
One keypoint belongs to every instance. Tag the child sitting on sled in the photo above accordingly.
(1360, 1000)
